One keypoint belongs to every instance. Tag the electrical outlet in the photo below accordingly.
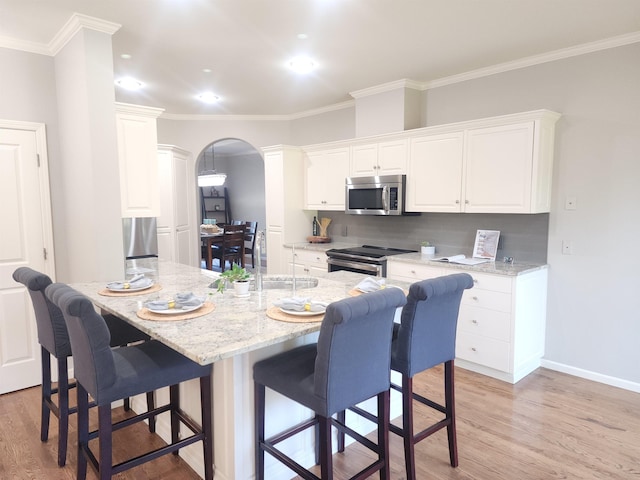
(567, 247)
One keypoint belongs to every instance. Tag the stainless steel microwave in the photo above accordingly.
(381, 195)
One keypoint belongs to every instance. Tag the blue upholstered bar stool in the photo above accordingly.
(54, 341)
(349, 364)
(110, 374)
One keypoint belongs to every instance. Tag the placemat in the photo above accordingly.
(110, 293)
(145, 314)
(277, 314)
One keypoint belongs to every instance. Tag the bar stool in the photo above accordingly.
(109, 375)
(426, 337)
(349, 364)
(54, 341)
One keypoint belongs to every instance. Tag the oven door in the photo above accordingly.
(337, 264)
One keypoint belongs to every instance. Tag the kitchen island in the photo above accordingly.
(235, 335)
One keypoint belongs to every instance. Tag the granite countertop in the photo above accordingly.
(497, 268)
(236, 326)
(320, 247)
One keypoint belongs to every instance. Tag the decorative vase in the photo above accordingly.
(430, 250)
(241, 288)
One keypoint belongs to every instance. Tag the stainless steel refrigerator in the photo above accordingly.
(140, 237)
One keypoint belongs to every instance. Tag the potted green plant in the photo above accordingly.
(427, 249)
(238, 276)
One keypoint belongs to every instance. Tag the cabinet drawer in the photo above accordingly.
(411, 273)
(497, 283)
(311, 257)
(485, 322)
(483, 351)
(476, 297)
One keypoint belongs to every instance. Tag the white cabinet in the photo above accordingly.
(138, 161)
(380, 158)
(496, 165)
(309, 262)
(287, 222)
(177, 224)
(434, 176)
(324, 176)
(501, 326)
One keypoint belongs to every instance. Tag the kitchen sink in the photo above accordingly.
(284, 282)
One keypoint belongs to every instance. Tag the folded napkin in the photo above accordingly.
(301, 304)
(182, 300)
(371, 284)
(138, 281)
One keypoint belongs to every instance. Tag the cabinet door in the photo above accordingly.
(364, 160)
(498, 169)
(434, 178)
(325, 175)
(392, 157)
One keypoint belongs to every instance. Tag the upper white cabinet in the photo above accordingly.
(324, 174)
(177, 223)
(496, 165)
(138, 160)
(379, 158)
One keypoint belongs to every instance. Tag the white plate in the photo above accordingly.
(304, 313)
(176, 311)
(129, 289)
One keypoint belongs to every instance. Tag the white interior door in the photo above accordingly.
(25, 216)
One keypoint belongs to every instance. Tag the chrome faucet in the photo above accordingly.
(258, 256)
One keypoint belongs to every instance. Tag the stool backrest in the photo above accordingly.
(427, 333)
(354, 348)
(93, 362)
(52, 331)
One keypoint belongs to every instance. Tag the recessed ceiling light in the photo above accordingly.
(129, 83)
(208, 97)
(302, 65)
(206, 70)
(126, 56)
(302, 36)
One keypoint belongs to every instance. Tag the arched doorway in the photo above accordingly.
(242, 195)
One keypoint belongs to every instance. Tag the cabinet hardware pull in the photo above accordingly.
(466, 202)
(473, 349)
(474, 321)
(457, 202)
(475, 298)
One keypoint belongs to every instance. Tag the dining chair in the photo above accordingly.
(425, 338)
(349, 364)
(54, 342)
(231, 249)
(250, 240)
(110, 374)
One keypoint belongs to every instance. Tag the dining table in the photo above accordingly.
(209, 239)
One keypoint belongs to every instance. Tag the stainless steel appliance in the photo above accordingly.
(368, 259)
(140, 237)
(381, 195)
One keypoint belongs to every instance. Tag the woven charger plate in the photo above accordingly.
(110, 293)
(146, 314)
(277, 314)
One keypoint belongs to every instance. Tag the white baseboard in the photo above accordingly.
(596, 377)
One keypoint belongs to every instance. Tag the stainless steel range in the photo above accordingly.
(367, 259)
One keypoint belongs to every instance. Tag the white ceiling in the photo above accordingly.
(357, 43)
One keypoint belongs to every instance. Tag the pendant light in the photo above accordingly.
(211, 178)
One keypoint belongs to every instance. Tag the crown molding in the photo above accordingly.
(560, 54)
(23, 45)
(130, 108)
(387, 87)
(76, 23)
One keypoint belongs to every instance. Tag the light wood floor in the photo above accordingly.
(548, 426)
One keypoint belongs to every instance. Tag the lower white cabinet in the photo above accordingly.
(308, 262)
(501, 326)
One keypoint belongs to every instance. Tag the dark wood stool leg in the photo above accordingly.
(384, 410)
(46, 393)
(326, 461)
(342, 418)
(83, 431)
(174, 400)
(450, 405)
(105, 434)
(63, 410)
(407, 427)
(126, 404)
(258, 411)
(207, 425)
(151, 404)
